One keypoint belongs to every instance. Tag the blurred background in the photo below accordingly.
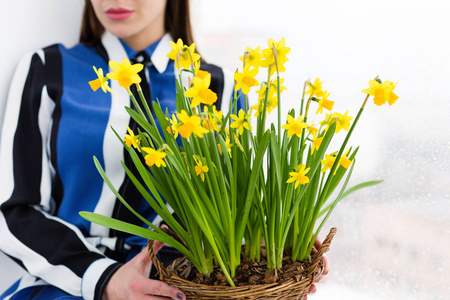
(393, 239)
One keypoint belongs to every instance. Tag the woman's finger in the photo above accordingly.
(326, 265)
(160, 288)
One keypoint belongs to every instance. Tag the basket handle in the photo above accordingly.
(317, 256)
(161, 271)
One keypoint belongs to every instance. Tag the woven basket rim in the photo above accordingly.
(290, 289)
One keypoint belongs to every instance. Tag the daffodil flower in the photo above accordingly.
(342, 121)
(131, 139)
(173, 127)
(180, 54)
(294, 126)
(154, 157)
(313, 130)
(125, 73)
(190, 124)
(315, 89)
(200, 169)
(240, 122)
(382, 92)
(246, 79)
(344, 161)
(211, 121)
(100, 82)
(325, 103)
(328, 162)
(199, 92)
(272, 103)
(227, 143)
(252, 57)
(316, 144)
(281, 52)
(274, 83)
(299, 177)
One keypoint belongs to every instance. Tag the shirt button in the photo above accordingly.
(139, 58)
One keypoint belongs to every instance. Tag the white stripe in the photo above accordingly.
(37, 265)
(45, 120)
(10, 120)
(41, 54)
(228, 89)
(112, 148)
(159, 56)
(92, 276)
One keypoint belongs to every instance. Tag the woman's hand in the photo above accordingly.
(131, 282)
(326, 266)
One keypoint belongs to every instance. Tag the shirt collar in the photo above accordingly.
(157, 51)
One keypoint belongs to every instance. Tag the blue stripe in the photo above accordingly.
(81, 133)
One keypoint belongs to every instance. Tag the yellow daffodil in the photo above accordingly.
(199, 91)
(154, 157)
(294, 126)
(218, 113)
(313, 130)
(328, 162)
(274, 83)
(281, 52)
(315, 89)
(246, 80)
(131, 139)
(173, 127)
(180, 54)
(252, 57)
(240, 122)
(299, 177)
(325, 103)
(342, 121)
(382, 92)
(214, 118)
(262, 91)
(211, 123)
(227, 143)
(272, 100)
(200, 169)
(344, 161)
(316, 144)
(125, 73)
(190, 124)
(100, 82)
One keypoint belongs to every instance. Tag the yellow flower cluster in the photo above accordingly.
(274, 57)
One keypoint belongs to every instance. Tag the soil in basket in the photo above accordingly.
(248, 273)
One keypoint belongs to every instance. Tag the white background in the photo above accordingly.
(393, 239)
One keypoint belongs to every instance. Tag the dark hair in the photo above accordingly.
(177, 22)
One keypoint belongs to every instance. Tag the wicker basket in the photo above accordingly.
(291, 289)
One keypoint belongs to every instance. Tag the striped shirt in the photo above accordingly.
(54, 124)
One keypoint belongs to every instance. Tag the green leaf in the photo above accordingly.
(137, 230)
(349, 191)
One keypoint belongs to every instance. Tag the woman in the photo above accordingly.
(54, 125)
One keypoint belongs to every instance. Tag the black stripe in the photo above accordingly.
(50, 239)
(27, 144)
(104, 279)
(217, 81)
(36, 291)
(54, 79)
(102, 51)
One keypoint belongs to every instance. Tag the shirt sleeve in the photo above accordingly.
(30, 233)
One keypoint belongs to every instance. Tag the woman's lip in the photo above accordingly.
(118, 13)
